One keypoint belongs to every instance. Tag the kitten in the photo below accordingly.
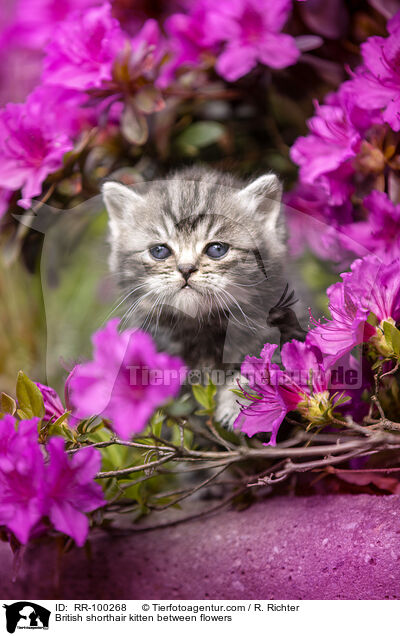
(200, 258)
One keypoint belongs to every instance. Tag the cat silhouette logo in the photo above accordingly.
(26, 615)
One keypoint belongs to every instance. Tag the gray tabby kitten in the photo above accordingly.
(200, 259)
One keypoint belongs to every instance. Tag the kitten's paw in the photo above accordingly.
(226, 416)
(228, 407)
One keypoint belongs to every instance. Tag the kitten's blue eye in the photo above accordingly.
(160, 252)
(217, 250)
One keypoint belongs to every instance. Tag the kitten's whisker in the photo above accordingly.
(230, 315)
(126, 316)
(124, 298)
(250, 285)
(220, 306)
(160, 310)
(246, 318)
(251, 320)
(151, 312)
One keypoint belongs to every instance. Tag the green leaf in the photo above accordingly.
(205, 396)
(342, 399)
(211, 391)
(201, 134)
(29, 397)
(372, 319)
(392, 336)
(135, 492)
(67, 432)
(200, 393)
(7, 404)
(156, 423)
(61, 419)
(58, 427)
(55, 431)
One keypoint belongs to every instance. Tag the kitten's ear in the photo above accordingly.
(121, 203)
(264, 196)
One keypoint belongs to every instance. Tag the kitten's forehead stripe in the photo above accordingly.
(190, 223)
(210, 225)
(165, 224)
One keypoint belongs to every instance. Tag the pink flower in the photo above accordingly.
(34, 137)
(70, 490)
(302, 385)
(376, 83)
(347, 329)
(82, 52)
(27, 26)
(240, 33)
(250, 31)
(372, 285)
(32, 488)
(33, 21)
(108, 66)
(313, 223)
(52, 403)
(20, 69)
(21, 477)
(325, 155)
(126, 381)
(331, 143)
(186, 40)
(269, 402)
(380, 233)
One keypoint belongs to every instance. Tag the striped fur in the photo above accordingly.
(222, 315)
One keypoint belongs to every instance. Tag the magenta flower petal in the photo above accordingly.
(276, 13)
(70, 489)
(372, 285)
(304, 367)
(234, 62)
(30, 488)
(278, 50)
(276, 395)
(85, 464)
(35, 20)
(262, 416)
(326, 155)
(126, 381)
(22, 471)
(34, 137)
(52, 403)
(67, 519)
(376, 286)
(377, 82)
(239, 33)
(83, 49)
(380, 233)
(349, 326)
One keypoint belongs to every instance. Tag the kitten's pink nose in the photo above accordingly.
(186, 270)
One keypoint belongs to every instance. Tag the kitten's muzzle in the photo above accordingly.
(187, 270)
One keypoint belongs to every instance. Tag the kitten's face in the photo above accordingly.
(188, 246)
